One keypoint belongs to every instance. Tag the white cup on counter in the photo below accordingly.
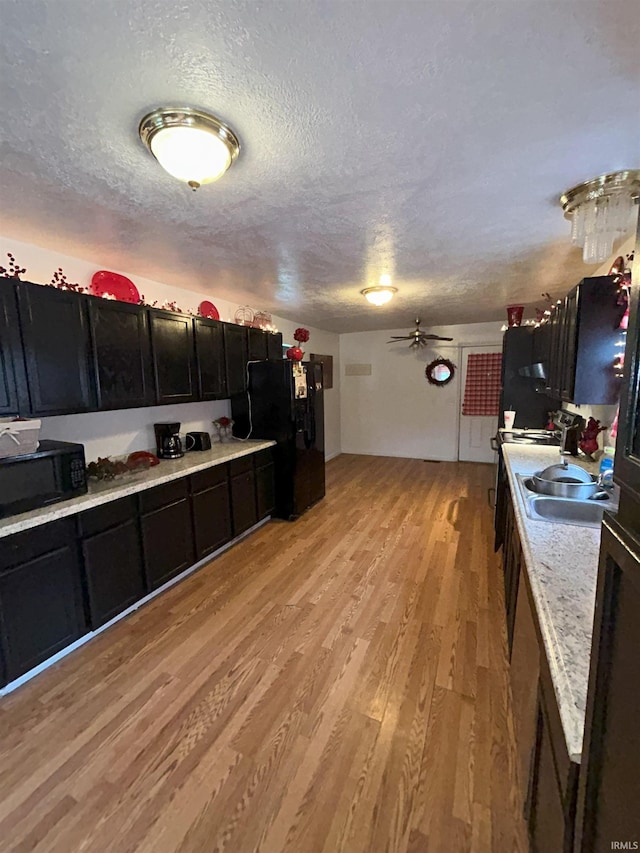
(509, 418)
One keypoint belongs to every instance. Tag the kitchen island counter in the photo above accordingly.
(561, 562)
(103, 492)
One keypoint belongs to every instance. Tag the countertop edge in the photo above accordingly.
(99, 493)
(570, 699)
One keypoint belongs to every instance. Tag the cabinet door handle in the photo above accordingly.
(494, 443)
(491, 503)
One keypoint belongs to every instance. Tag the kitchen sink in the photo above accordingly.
(584, 513)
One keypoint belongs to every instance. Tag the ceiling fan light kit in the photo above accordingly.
(379, 295)
(601, 211)
(191, 145)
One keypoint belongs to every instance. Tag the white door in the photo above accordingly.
(474, 437)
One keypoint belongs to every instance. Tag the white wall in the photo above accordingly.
(395, 411)
(120, 432)
(105, 433)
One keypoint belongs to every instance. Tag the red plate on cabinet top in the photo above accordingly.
(104, 282)
(208, 310)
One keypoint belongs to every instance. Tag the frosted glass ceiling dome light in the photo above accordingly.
(601, 210)
(379, 295)
(193, 146)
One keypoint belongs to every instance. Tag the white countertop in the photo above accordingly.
(562, 567)
(101, 492)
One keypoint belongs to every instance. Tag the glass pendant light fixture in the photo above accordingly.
(191, 145)
(601, 210)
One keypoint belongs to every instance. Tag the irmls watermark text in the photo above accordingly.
(624, 845)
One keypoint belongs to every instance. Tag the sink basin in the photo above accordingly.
(584, 513)
(566, 510)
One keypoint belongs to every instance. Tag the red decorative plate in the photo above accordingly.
(104, 282)
(208, 310)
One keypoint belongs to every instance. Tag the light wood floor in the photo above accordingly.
(336, 684)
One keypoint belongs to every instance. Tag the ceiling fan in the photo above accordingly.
(418, 338)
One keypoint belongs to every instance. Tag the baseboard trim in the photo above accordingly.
(398, 456)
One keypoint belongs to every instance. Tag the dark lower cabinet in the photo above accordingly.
(512, 563)
(265, 490)
(609, 802)
(55, 334)
(554, 779)
(41, 608)
(211, 519)
(112, 555)
(174, 357)
(243, 502)
(211, 505)
(167, 535)
(547, 824)
(61, 579)
(121, 354)
(500, 510)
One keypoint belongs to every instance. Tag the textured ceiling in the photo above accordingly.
(426, 140)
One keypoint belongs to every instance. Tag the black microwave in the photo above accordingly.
(55, 472)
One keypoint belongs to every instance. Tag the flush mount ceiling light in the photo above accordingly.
(379, 295)
(600, 211)
(193, 146)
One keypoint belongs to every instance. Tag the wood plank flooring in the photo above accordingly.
(336, 684)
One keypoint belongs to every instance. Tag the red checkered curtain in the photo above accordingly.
(482, 388)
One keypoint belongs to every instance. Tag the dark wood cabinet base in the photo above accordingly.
(63, 579)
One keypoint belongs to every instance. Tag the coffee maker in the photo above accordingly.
(168, 443)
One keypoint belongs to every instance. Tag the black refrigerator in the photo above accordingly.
(284, 402)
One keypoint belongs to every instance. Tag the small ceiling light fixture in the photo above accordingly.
(379, 295)
(600, 212)
(192, 145)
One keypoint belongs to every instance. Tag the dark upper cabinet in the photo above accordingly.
(212, 379)
(520, 389)
(236, 356)
(582, 336)
(174, 358)
(274, 346)
(257, 345)
(121, 354)
(112, 556)
(609, 779)
(55, 335)
(41, 608)
(14, 398)
(627, 461)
